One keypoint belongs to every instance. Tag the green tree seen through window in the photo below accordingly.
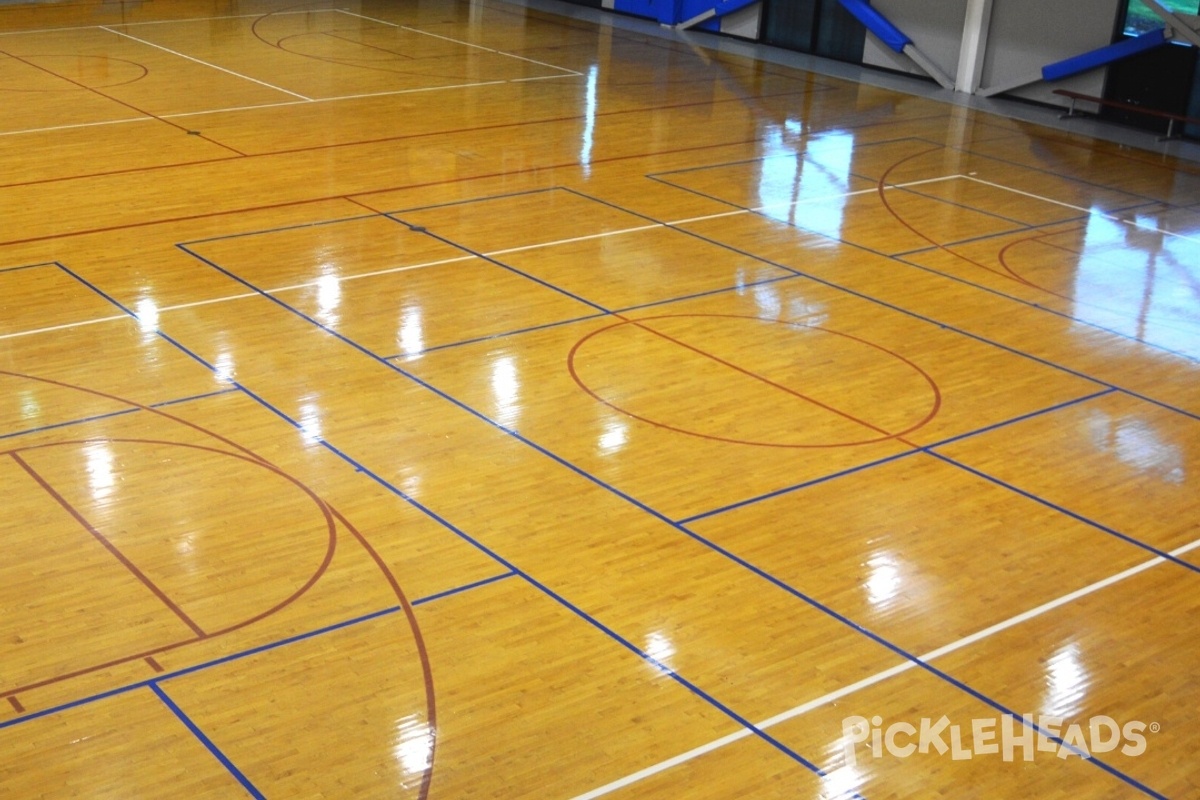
(1140, 19)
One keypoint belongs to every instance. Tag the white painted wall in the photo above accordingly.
(1028, 34)
(936, 29)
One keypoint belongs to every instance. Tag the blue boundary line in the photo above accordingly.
(26, 266)
(207, 742)
(1038, 226)
(894, 457)
(611, 633)
(490, 259)
(576, 610)
(906, 312)
(829, 611)
(294, 227)
(252, 651)
(122, 412)
(900, 259)
(1065, 511)
(492, 336)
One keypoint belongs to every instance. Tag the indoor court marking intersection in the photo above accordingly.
(561, 419)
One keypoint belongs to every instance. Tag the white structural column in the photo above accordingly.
(974, 45)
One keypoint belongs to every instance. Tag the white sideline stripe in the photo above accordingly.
(488, 254)
(204, 63)
(76, 125)
(161, 22)
(61, 327)
(1088, 211)
(743, 733)
(458, 41)
(227, 16)
(573, 239)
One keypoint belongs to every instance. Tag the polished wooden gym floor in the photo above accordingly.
(456, 400)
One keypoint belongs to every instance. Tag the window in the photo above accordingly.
(1140, 19)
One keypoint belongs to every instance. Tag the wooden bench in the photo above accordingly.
(1172, 119)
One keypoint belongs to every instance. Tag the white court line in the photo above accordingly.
(159, 22)
(228, 16)
(489, 254)
(879, 677)
(459, 41)
(577, 239)
(77, 125)
(204, 63)
(1088, 211)
(64, 326)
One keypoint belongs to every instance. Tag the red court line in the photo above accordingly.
(142, 67)
(761, 378)
(250, 455)
(120, 102)
(154, 665)
(936, 406)
(109, 546)
(881, 187)
(382, 139)
(16, 704)
(418, 639)
(349, 197)
(324, 508)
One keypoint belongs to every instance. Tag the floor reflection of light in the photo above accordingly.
(616, 433)
(329, 295)
(506, 389)
(223, 367)
(589, 124)
(412, 336)
(1137, 444)
(660, 648)
(147, 315)
(809, 188)
(99, 469)
(29, 405)
(884, 582)
(310, 421)
(842, 782)
(414, 747)
(1067, 682)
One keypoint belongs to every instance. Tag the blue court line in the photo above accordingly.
(27, 266)
(238, 656)
(640, 307)
(790, 156)
(933, 248)
(878, 639)
(212, 747)
(461, 589)
(469, 251)
(579, 612)
(1069, 220)
(470, 201)
(1065, 511)
(122, 412)
(899, 258)
(491, 336)
(894, 457)
(906, 312)
(281, 228)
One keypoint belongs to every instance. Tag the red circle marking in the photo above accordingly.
(250, 455)
(142, 71)
(935, 406)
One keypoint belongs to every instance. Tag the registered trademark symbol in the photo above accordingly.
(1155, 727)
